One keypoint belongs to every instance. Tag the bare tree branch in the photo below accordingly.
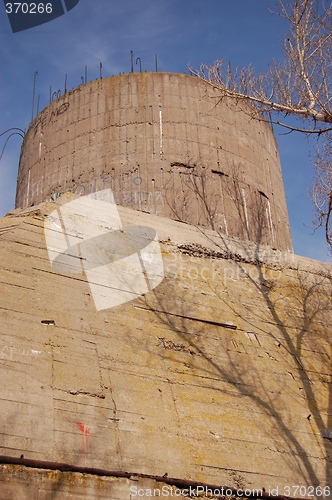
(299, 87)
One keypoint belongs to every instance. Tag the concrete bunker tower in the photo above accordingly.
(217, 376)
(165, 145)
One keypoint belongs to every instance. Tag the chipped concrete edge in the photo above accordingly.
(196, 241)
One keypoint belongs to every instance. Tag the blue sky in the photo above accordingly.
(181, 32)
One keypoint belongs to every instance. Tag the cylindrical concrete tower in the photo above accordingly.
(165, 144)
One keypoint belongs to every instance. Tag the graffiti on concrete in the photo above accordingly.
(49, 116)
(8, 352)
(71, 92)
(77, 189)
(126, 190)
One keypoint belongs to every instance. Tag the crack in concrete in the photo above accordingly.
(81, 391)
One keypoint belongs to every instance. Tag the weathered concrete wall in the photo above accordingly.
(221, 374)
(26, 482)
(165, 145)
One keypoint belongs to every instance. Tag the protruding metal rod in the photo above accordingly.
(82, 80)
(3, 149)
(54, 94)
(12, 128)
(140, 64)
(58, 94)
(155, 56)
(86, 73)
(50, 94)
(132, 61)
(38, 104)
(65, 83)
(33, 94)
(100, 68)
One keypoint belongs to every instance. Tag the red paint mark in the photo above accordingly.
(86, 433)
(85, 430)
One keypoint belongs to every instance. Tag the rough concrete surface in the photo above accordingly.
(19, 482)
(165, 144)
(220, 375)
